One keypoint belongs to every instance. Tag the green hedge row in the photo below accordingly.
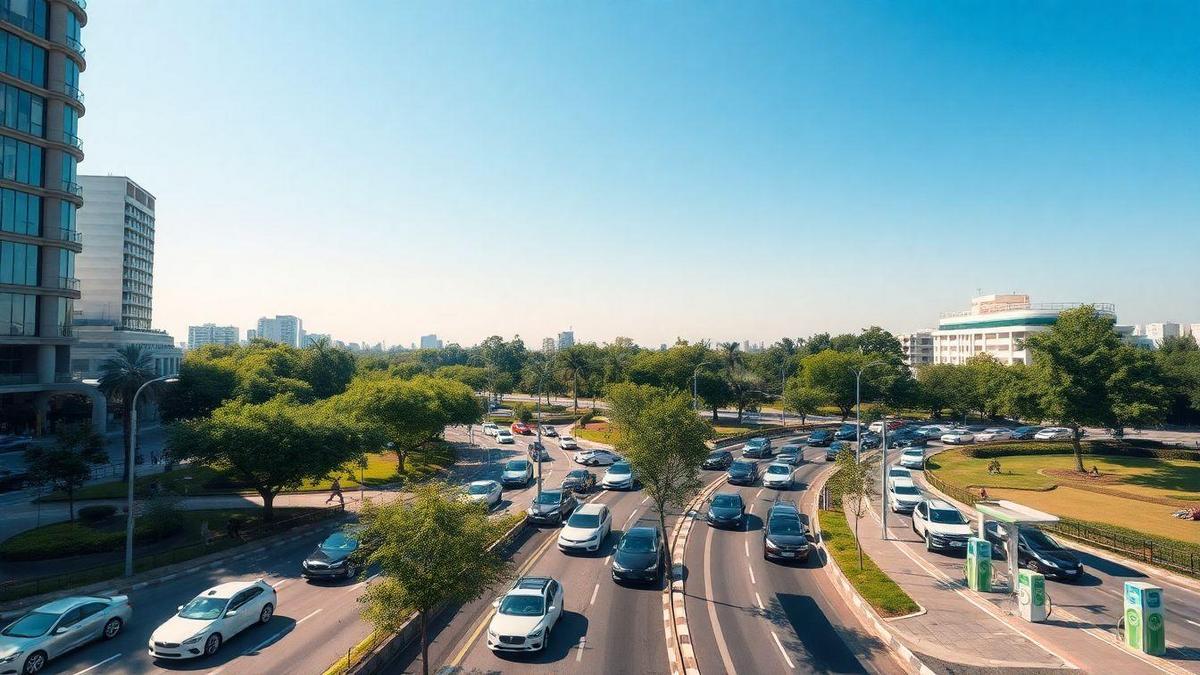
(72, 539)
(1139, 448)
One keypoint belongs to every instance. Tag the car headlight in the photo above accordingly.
(1051, 563)
(619, 568)
(771, 544)
(653, 566)
(194, 639)
(10, 657)
(537, 633)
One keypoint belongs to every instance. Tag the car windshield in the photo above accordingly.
(522, 605)
(785, 525)
(567, 438)
(480, 488)
(775, 468)
(637, 544)
(947, 517)
(584, 520)
(549, 497)
(717, 455)
(338, 541)
(516, 465)
(204, 609)
(897, 471)
(620, 467)
(741, 467)
(754, 442)
(31, 625)
(1040, 540)
(727, 501)
(578, 475)
(914, 455)
(505, 432)
(905, 490)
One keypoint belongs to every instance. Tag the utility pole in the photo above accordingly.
(130, 464)
(883, 469)
(695, 379)
(858, 409)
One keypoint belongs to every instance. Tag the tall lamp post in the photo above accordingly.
(695, 380)
(133, 423)
(538, 447)
(782, 391)
(858, 408)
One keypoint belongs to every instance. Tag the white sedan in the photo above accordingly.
(958, 437)
(504, 436)
(213, 617)
(994, 434)
(596, 457)
(778, 475)
(567, 443)
(490, 429)
(586, 529)
(1053, 434)
(484, 491)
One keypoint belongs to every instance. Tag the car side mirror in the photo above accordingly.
(232, 612)
(496, 602)
(553, 608)
(179, 608)
(60, 630)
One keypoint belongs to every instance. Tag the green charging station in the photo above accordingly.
(1145, 623)
(1032, 602)
(979, 564)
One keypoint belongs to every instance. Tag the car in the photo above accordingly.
(504, 436)
(790, 457)
(869, 441)
(1025, 433)
(598, 457)
(55, 628)
(484, 491)
(1037, 552)
(567, 443)
(718, 460)
(517, 472)
(943, 527)
(526, 615)
(958, 436)
(835, 448)
(742, 472)
(538, 452)
(903, 495)
(892, 425)
(785, 536)
(579, 481)
(586, 529)
(490, 429)
(994, 434)
(932, 430)
(551, 507)
(332, 558)
(898, 472)
(821, 438)
(550, 431)
(213, 618)
(12, 480)
(913, 458)
(640, 555)
(905, 438)
(757, 448)
(619, 476)
(726, 509)
(779, 476)
(846, 432)
(1053, 434)
(521, 428)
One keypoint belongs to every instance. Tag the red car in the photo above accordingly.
(521, 428)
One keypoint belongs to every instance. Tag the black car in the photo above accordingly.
(549, 431)
(835, 448)
(743, 473)
(579, 480)
(1025, 433)
(640, 556)
(906, 438)
(847, 432)
(1037, 552)
(718, 459)
(727, 510)
(538, 452)
(332, 558)
(821, 438)
(551, 507)
(785, 536)
(870, 441)
(757, 447)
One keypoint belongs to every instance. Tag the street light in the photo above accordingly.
(858, 407)
(538, 448)
(695, 378)
(133, 423)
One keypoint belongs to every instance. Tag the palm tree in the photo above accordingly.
(575, 363)
(730, 354)
(120, 378)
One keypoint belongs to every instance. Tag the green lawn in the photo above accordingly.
(871, 583)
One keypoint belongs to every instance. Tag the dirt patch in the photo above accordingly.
(1086, 478)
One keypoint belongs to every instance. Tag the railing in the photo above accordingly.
(72, 140)
(75, 45)
(72, 187)
(66, 378)
(72, 91)
(68, 283)
(18, 378)
(70, 235)
(1106, 307)
(82, 4)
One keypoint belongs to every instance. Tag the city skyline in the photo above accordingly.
(647, 159)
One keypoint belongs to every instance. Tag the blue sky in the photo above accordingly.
(721, 170)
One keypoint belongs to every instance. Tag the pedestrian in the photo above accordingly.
(983, 494)
(205, 533)
(335, 490)
(235, 527)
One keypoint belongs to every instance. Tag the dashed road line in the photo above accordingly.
(93, 667)
(759, 601)
(783, 651)
(579, 650)
(751, 570)
(1192, 622)
(629, 519)
(759, 493)
(594, 592)
(747, 543)
(278, 584)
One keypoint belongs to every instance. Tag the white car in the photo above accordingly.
(876, 427)
(958, 437)
(1053, 434)
(943, 527)
(517, 472)
(596, 457)
(586, 529)
(778, 475)
(213, 617)
(903, 495)
(504, 436)
(525, 615)
(618, 477)
(490, 429)
(913, 458)
(484, 491)
(932, 430)
(898, 472)
(567, 443)
(57, 627)
(994, 434)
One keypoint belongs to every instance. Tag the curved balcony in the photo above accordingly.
(71, 91)
(68, 283)
(81, 4)
(72, 236)
(75, 45)
(72, 140)
(71, 187)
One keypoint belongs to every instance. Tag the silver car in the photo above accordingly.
(57, 627)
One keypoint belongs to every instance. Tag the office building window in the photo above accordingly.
(22, 110)
(66, 263)
(21, 161)
(29, 15)
(71, 125)
(20, 213)
(66, 216)
(25, 60)
(63, 308)
(18, 264)
(68, 173)
(18, 314)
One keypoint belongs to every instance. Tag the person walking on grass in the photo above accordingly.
(335, 490)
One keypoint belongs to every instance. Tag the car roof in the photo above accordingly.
(729, 494)
(483, 482)
(63, 604)
(645, 531)
(228, 588)
(781, 464)
(941, 505)
(785, 505)
(757, 439)
(900, 469)
(913, 451)
(590, 509)
(903, 482)
(996, 429)
(530, 585)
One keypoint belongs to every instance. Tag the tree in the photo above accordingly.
(854, 482)
(877, 341)
(1019, 397)
(945, 385)
(67, 465)
(987, 378)
(715, 391)
(326, 368)
(663, 440)
(272, 446)
(1136, 391)
(574, 362)
(431, 551)
(745, 387)
(473, 376)
(1179, 360)
(802, 400)
(120, 378)
(833, 372)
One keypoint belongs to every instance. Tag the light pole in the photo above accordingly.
(782, 391)
(695, 379)
(538, 447)
(133, 433)
(858, 408)
(883, 469)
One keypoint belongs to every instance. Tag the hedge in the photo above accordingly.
(97, 512)
(71, 539)
(1139, 448)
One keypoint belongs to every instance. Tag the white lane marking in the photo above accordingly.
(711, 605)
(759, 493)
(274, 638)
(362, 583)
(643, 501)
(751, 570)
(759, 601)
(750, 511)
(579, 651)
(629, 519)
(1192, 622)
(747, 543)
(594, 592)
(91, 668)
(214, 672)
(278, 584)
(782, 651)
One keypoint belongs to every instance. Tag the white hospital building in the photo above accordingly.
(997, 325)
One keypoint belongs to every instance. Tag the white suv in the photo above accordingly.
(903, 495)
(490, 429)
(586, 529)
(525, 615)
(943, 527)
(913, 458)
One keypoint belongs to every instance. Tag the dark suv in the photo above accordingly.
(1037, 552)
(743, 473)
(718, 459)
(821, 438)
(579, 480)
(785, 536)
(757, 447)
(847, 432)
(551, 507)
(640, 555)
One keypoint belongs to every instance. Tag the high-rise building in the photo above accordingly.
(284, 328)
(548, 345)
(917, 348)
(212, 334)
(998, 325)
(566, 339)
(41, 57)
(116, 278)
(430, 342)
(1157, 332)
(314, 338)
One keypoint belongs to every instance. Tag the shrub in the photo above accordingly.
(587, 417)
(161, 518)
(97, 513)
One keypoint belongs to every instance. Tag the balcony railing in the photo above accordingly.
(70, 235)
(18, 378)
(75, 45)
(67, 377)
(82, 4)
(1105, 307)
(74, 188)
(68, 283)
(72, 140)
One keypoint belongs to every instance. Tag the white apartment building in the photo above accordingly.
(430, 341)
(548, 345)
(212, 334)
(1157, 332)
(917, 348)
(284, 328)
(997, 325)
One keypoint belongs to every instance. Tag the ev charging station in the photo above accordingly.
(1026, 587)
(1145, 624)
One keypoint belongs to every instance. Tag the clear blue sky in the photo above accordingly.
(658, 169)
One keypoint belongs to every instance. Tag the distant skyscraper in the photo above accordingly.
(251, 335)
(548, 345)
(284, 328)
(917, 347)
(430, 342)
(566, 339)
(313, 338)
(212, 334)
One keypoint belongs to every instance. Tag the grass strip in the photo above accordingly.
(876, 587)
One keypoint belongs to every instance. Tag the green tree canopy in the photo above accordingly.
(803, 400)
(67, 464)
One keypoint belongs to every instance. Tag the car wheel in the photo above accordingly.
(268, 609)
(212, 644)
(928, 542)
(913, 525)
(34, 663)
(112, 628)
